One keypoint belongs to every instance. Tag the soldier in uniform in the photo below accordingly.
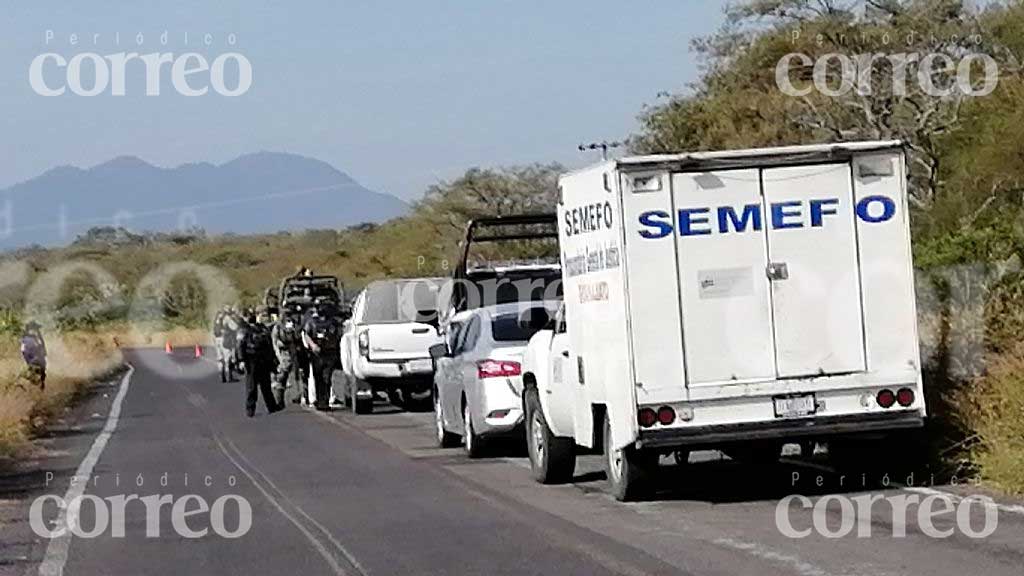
(322, 337)
(257, 351)
(286, 340)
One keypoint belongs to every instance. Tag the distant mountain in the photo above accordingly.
(255, 193)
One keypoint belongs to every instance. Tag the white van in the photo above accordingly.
(727, 299)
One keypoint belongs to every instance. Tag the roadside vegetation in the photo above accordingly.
(966, 162)
(24, 409)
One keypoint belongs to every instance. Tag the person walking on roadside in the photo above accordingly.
(225, 333)
(33, 351)
(322, 337)
(257, 351)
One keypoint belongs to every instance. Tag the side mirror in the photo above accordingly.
(438, 351)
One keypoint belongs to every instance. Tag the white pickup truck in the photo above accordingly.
(729, 300)
(385, 345)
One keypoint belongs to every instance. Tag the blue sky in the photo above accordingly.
(398, 94)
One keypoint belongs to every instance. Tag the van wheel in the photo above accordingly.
(552, 458)
(628, 469)
(445, 439)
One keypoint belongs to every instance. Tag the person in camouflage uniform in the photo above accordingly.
(285, 336)
(225, 335)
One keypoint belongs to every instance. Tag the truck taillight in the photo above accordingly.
(666, 415)
(497, 368)
(886, 399)
(364, 343)
(647, 417)
(905, 397)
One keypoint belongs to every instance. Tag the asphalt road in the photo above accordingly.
(341, 494)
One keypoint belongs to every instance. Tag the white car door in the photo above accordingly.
(464, 367)
(444, 376)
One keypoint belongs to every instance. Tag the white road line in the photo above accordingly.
(327, 533)
(317, 544)
(764, 553)
(57, 550)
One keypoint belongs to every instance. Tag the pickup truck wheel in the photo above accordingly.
(473, 443)
(396, 398)
(359, 405)
(445, 439)
(552, 459)
(628, 469)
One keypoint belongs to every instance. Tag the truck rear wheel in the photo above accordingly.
(628, 469)
(359, 405)
(552, 458)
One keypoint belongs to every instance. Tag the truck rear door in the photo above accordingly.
(763, 264)
(814, 270)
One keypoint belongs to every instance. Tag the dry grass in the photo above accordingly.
(993, 408)
(126, 336)
(75, 360)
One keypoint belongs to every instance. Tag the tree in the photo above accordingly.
(856, 70)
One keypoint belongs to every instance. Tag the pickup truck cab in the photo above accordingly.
(385, 345)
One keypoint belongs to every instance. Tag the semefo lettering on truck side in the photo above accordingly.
(781, 215)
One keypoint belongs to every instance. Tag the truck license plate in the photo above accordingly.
(795, 406)
(417, 366)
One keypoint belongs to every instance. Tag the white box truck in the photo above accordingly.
(733, 300)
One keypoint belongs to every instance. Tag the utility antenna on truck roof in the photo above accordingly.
(602, 146)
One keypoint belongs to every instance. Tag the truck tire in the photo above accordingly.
(552, 458)
(445, 439)
(359, 405)
(474, 443)
(629, 470)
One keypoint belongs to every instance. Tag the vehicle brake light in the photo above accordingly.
(905, 397)
(497, 369)
(886, 399)
(647, 417)
(364, 343)
(666, 415)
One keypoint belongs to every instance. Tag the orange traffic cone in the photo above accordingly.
(199, 351)
(167, 347)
